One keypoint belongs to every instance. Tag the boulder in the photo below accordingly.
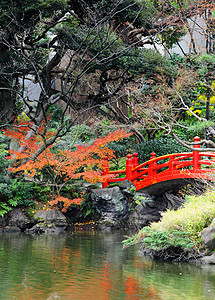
(147, 210)
(17, 218)
(11, 229)
(109, 200)
(208, 236)
(48, 222)
(45, 228)
(111, 205)
(2, 222)
(208, 260)
(128, 189)
(122, 207)
(53, 216)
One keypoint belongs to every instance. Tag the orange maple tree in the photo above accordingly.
(85, 161)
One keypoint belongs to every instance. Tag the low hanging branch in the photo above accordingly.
(84, 161)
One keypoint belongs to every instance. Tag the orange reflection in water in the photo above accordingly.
(106, 281)
(69, 273)
(135, 290)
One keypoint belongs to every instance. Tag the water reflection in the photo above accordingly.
(93, 266)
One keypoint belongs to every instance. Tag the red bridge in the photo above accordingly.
(164, 173)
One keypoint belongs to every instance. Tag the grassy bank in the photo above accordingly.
(178, 229)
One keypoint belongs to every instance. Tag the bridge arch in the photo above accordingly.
(165, 171)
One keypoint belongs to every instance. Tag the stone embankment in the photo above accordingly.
(50, 221)
(119, 207)
(124, 208)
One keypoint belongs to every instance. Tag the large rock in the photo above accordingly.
(109, 200)
(123, 207)
(111, 205)
(147, 210)
(2, 222)
(208, 236)
(48, 222)
(11, 229)
(53, 216)
(16, 218)
(208, 260)
(128, 189)
(45, 228)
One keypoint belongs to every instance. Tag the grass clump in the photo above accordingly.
(196, 214)
(179, 228)
(161, 239)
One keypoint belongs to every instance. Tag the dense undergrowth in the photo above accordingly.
(17, 191)
(179, 228)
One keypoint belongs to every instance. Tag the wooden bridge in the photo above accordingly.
(168, 172)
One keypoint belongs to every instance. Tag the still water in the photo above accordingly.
(92, 265)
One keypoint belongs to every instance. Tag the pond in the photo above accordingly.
(92, 265)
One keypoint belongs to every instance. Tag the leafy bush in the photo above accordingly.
(179, 228)
(161, 146)
(196, 214)
(162, 239)
(15, 192)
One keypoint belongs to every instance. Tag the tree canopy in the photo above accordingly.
(91, 55)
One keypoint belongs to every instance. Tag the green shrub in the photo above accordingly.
(179, 228)
(161, 146)
(16, 192)
(196, 214)
(162, 239)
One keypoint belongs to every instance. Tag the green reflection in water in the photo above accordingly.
(93, 266)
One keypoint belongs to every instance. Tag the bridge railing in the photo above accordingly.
(156, 165)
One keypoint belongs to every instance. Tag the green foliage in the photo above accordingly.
(161, 239)
(138, 12)
(20, 193)
(206, 63)
(165, 239)
(4, 208)
(196, 214)
(123, 147)
(101, 42)
(161, 146)
(172, 35)
(199, 127)
(78, 134)
(87, 210)
(179, 228)
(29, 11)
(146, 61)
(4, 145)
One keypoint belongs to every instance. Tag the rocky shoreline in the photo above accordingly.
(50, 221)
(117, 208)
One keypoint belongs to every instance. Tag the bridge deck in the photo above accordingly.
(166, 172)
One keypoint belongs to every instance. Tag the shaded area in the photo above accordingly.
(171, 185)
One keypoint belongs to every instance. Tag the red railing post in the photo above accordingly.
(129, 166)
(153, 155)
(196, 156)
(171, 160)
(105, 170)
(152, 165)
(135, 162)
